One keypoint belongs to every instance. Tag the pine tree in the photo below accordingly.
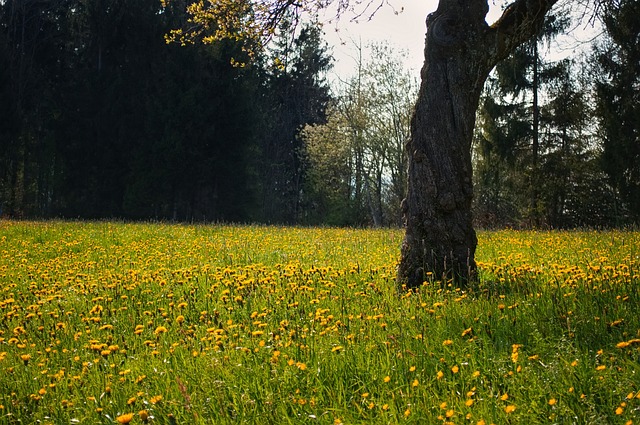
(618, 104)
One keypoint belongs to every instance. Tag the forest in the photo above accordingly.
(102, 118)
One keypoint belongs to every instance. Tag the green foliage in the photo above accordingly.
(618, 97)
(109, 322)
(297, 94)
(104, 119)
(536, 152)
(358, 162)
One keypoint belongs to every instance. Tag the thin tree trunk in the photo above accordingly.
(460, 51)
(535, 215)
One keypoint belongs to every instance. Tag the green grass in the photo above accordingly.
(221, 324)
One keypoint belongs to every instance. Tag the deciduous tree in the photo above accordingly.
(461, 48)
(369, 124)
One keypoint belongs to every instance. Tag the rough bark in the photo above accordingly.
(460, 51)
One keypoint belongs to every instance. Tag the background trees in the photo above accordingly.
(297, 94)
(617, 97)
(358, 159)
(538, 153)
(101, 118)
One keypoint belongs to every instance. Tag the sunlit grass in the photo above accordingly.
(155, 323)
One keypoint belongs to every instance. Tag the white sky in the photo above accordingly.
(404, 31)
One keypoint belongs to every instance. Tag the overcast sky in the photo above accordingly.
(404, 30)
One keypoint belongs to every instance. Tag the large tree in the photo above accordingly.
(460, 51)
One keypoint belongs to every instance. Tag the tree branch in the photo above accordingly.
(520, 21)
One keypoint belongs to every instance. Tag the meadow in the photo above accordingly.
(105, 322)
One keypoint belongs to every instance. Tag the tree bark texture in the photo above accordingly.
(460, 51)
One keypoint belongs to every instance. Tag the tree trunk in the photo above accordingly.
(460, 51)
(535, 146)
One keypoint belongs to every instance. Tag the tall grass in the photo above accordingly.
(152, 323)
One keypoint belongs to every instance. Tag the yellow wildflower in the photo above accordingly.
(125, 419)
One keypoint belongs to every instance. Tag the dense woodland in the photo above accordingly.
(101, 118)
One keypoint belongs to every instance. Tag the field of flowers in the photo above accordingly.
(106, 322)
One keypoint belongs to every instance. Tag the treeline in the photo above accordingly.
(99, 117)
(558, 140)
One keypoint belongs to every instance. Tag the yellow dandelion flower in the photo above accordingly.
(447, 342)
(336, 348)
(415, 383)
(449, 413)
(385, 407)
(469, 402)
(552, 402)
(387, 379)
(407, 413)
(481, 422)
(143, 415)
(510, 408)
(455, 369)
(412, 369)
(439, 375)
(155, 399)
(504, 397)
(601, 367)
(619, 410)
(125, 419)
